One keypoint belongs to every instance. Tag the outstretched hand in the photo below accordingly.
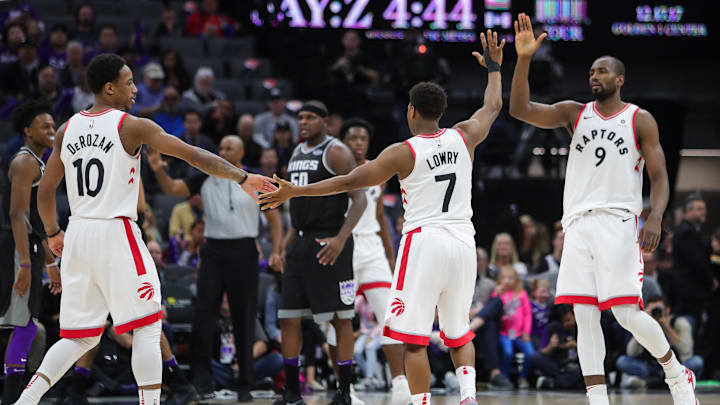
(525, 42)
(274, 199)
(257, 183)
(491, 49)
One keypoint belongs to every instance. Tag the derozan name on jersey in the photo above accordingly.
(89, 140)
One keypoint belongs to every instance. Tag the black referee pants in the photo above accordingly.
(226, 266)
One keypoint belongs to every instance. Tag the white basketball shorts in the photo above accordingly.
(601, 262)
(435, 269)
(106, 269)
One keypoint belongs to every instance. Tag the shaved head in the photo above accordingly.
(616, 64)
(233, 140)
(232, 149)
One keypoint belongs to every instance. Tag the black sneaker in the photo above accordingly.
(545, 383)
(14, 386)
(500, 383)
(182, 395)
(244, 395)
(289, 399)
(73, 398)
(341, 398)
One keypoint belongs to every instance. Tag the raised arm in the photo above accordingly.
(395, 159)
(648, 136)
(561, 114)
(476, 129)
(145, 131)
(54, 173)
(168, 185)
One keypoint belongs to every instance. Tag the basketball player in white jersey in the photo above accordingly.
(106, 268)
(436, 265)
(374, 257)
(601, 266)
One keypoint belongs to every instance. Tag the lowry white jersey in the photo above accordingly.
(102, 179)
(438, 191)
(368, 224)
(605, 167)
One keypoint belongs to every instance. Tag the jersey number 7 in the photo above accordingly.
(451, 186)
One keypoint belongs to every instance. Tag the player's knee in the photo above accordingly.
(88, 343)
(586, 316)
(148, 335)
(623, 314)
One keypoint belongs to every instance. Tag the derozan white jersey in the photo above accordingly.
(368, 224)
(438, 190)
(605, 167)
(102, 179)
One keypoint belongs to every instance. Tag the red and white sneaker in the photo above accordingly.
(682, 388)
(469, 401)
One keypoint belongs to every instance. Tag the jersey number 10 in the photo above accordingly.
(85, 187)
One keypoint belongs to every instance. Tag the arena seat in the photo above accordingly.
(193, 63)
(188, 47)
(235, 47)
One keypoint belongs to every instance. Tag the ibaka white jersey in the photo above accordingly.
(368, 224)
(102, 179)
(438, 190)
(605, 167)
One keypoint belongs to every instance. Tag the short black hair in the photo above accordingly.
(562, 309)
(690, 201)
(104, 68)
(26, 112)
(83, 5)
(355, 122)
(192, 111)
(617, 64)
(11, 24)
(59, 27)
(107, 25)
(429, 99)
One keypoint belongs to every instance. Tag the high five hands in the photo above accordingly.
(525, 42)
(492, 52)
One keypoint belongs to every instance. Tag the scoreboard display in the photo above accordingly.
(463, 20)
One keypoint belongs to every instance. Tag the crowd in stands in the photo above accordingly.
(522, 339)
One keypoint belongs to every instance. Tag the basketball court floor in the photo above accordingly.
(484, 398)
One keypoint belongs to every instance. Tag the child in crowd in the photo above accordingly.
(516, 323)
(540, 306)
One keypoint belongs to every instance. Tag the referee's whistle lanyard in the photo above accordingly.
(230, 201)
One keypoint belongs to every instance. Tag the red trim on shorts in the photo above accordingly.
(81, 333)
(406, 338)
(578, 117)
(459, 341)
(137, 257)
(621, 301)
(372, 286)
(89, 114)
(121, 121)
(411, 148)
(434, 135)
(403, 262)
(138, 323)
(576, 299)
(627, 105)
(637, 144)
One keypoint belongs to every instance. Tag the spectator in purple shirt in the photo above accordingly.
(107, 42)
(13, 35)
(54, 51)
(19, 10)
(541, 304)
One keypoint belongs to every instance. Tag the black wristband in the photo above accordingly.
(492, 66)
(245, 179)
(55, 234)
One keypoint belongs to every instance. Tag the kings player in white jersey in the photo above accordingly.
(436, 262)
(106, 268)
(601, 267)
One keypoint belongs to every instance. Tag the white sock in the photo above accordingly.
(597, 394)
(149, 397)
(672, 367)
(36, 388)
(420, 399)
(400, 381)
(466, 379)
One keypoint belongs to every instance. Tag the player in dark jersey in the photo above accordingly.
(318, 277)
(23, 250)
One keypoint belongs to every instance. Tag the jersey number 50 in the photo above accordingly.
(299, 178)
(85, 187)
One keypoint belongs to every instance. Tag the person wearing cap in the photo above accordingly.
(150, 92)
(17, 78)
(265, 123)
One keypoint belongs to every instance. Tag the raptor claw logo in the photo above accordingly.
(146, 291)
(397, 307)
